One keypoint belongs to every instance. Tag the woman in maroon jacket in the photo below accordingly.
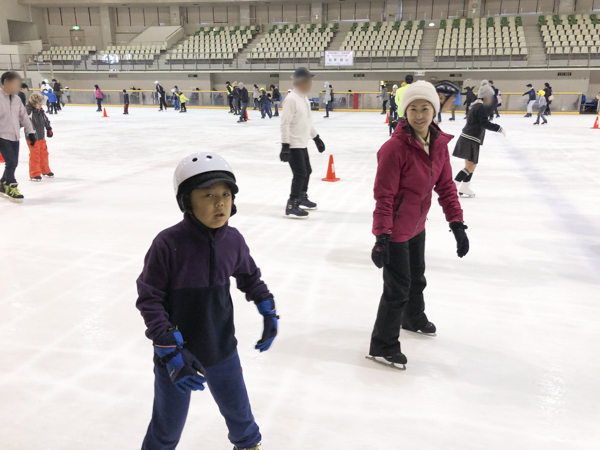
(412, 163)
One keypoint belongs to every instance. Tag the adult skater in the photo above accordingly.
(385, 97)
(275, 98)
(256, 97)
(185, 301)
(23, 93)
(410, 165)
(13, 116)
(99, 97)
(548, 94)
(393, 118)
(470, 97)
(408, 79)
(244, 102)
(236, 99)
(495, 102)
(57, 88)
(541, 108)
(448, 92)
(328, 99)
(125, 102)
(229, 89)
(296, 129)
(471, 138)
(530, 93)
(162, 96)
(265, 104)
(455, 105)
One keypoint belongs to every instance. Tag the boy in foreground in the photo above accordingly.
(185, 301)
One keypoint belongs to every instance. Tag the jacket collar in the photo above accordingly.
(194, 224)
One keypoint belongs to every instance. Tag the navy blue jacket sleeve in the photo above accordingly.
(153, 285)
(247, 276)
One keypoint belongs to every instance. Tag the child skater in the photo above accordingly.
(471, 138)
(410, 165)
(182, 101)
(185, 302)
(125, 102)
(542, 104)
(265, 104)
(38, 152)
(51, 96)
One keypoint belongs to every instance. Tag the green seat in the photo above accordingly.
(469, 23)
(443, 24)
(518, 21)
(409, 25)
(456, 23)
(489, 22)
(421, 25)
(504, 22)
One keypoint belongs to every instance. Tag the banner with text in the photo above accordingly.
(339, 58)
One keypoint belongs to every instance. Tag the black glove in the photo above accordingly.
(462, 241)
(285, 153)
(319, 143)
(381, 251)
(49, 132)
(32, 139)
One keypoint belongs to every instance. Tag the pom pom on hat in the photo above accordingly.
(421, 90)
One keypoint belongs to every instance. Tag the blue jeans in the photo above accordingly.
(328, 107)
(10, 152)
(226, 384)
(265, 109)
(176, 104)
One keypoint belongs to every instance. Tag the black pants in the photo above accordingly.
(230, 101)
(547, 111)
(99, 102)
(402, 301)
(10, 153)
(163, 102)
(385, 106)
(300, 165)
(244, 106)
(494, 110)
(183, 108)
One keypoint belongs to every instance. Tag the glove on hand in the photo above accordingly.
(285, 153)
(381, 251)
(32, 138)
(462, 241)
(267, 309)
(319, 143)
(182, 366)
(49, 132)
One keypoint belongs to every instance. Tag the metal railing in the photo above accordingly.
(242, 61)
(511, 101)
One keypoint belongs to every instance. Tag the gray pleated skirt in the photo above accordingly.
(467, 149)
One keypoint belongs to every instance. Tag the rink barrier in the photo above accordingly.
(512, 102)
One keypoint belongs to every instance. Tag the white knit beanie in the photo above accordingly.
(421, 90)
(485, 90)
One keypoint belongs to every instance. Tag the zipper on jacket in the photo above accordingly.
(428, 190)
(398, 210)
(211, 267)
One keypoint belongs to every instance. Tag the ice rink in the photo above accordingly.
(514, 366)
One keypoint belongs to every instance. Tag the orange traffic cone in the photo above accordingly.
(331, 171)
(387, 118)
(246, 114)
(105, 115)
(596, 125)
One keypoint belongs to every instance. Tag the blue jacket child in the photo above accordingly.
(185, 301)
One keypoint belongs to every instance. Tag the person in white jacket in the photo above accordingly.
(296, 129)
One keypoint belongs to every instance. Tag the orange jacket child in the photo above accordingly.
(38, 153)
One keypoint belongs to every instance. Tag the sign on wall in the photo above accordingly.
(339, 58)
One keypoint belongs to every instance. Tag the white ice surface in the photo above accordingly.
(516, 361)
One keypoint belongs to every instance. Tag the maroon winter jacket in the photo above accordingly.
(406, 175)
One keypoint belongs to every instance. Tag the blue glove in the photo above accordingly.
(183, 367)
(267, 309)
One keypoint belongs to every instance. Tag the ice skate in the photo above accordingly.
(252, 448)
(11, 192)
(293, 209)
(397, 361)
(305, 203)
(464, 190)
(428, 330)
(49, 174)
(38, 178)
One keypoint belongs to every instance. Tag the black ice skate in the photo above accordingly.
(49, 174)
(11, 192)
(397, 361)
(293, 209)
(428, 329)
(253, 448)
(305, 203)
(38, 178)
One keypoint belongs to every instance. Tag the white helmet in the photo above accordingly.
(201, 170)
(156, 82)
